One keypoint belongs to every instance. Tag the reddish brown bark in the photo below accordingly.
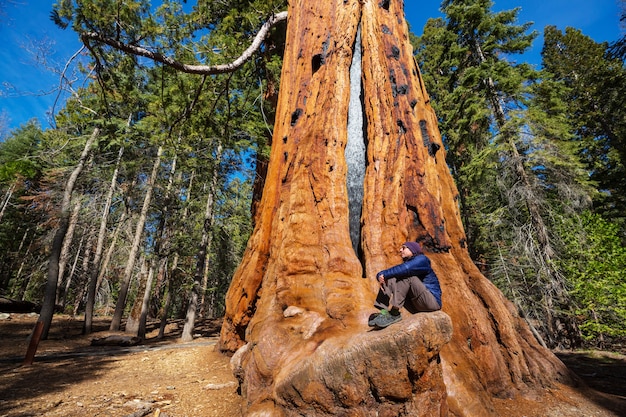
(298, 297)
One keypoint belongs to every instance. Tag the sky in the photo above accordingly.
(26, 32)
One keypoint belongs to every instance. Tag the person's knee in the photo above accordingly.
(425, 302)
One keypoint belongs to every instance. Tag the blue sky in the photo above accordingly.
(598, 19)
(24, 83)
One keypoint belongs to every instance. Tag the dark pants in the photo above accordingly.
(410, 293)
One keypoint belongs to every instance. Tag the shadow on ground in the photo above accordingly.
(66, 343)
(68, 359)
(603, 372)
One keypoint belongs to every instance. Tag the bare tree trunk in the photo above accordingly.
(297, 308)
(68, 281)
(83, 279)
(192, 308)
(128, 271)
(162, 234)
(208, 224)
(18, 291)
(107, 258)
(168, 298)
(143, 315)
(102, 233)
(65, 250)
(554, 290)
(190, 317)
(7, 198)
(206, 304)
(171, 280)
(47, 309)
(132, 322)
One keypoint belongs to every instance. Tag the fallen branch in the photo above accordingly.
(116, 340)
(140, 413)
(191, 69)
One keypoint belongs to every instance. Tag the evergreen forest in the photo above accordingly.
(139, 201)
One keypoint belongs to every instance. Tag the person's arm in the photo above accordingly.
(416, 266)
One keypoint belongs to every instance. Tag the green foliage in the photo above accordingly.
(462, 60)
(18, 154)
(496, 116)
(596, 87)
(211, 129)
(231, 230)
(595, 263)
(511, 150)
(22, 170)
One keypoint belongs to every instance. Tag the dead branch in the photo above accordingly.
(187, 68)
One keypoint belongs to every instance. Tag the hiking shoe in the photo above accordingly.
(385, 319)
(371, 321)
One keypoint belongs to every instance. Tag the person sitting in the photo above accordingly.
(412, 284)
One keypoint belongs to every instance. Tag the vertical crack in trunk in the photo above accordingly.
(355, 147)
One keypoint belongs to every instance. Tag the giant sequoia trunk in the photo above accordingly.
(296, 311)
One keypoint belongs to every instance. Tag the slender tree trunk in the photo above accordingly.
(171, 279)
(137, 314)
(6, 199)
(143, 317)
(192, 308)
(65, 250)
(130, 264)
(162, 235)
(207, 230)
(68, 281)
(82, 283)
(190, 317)
(207, 302)
(167, 305)
(107, 258)
(132, 322)
(97, 257)
(47, 309)
(20, 289)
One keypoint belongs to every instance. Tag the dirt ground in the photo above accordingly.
(69, 377)
(166, 378)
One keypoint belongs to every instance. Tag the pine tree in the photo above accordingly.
(21, 170)
(509, 153)
(462, 58)
(596, 108)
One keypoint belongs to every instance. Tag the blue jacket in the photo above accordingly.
(418, 266)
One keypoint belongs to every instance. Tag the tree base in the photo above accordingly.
(390, 372)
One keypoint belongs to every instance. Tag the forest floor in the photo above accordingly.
(166, 378)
